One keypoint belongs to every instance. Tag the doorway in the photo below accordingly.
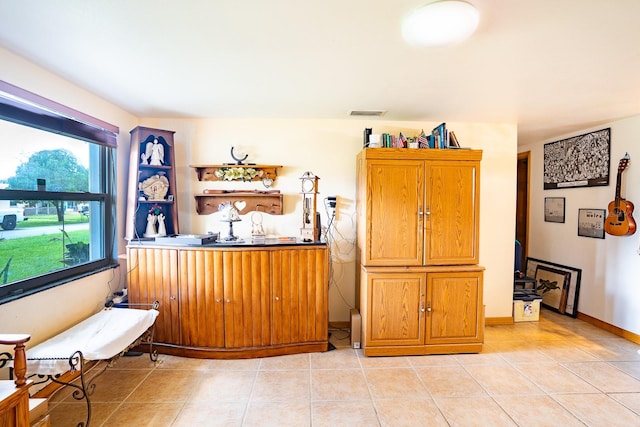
(522, 202)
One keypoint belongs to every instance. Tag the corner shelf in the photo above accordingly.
(270, 203)
(139, 171)
(207, 172)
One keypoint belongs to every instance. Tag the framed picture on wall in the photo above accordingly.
(574, 276)
(591, 223)
(554, 209)
(579, 161)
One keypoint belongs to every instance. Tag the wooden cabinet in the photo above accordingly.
(419, 285)
(153, 276)
(418, 207)
(421, 310)
(234, 302)
(299, 296)
(224, 298)
(152, 183)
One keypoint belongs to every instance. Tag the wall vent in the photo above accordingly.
(367, 113)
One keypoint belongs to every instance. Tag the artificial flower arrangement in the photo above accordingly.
(155, 209)
(237, 174)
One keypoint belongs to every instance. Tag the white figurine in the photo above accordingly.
(151, 229)
(162, 229)
(154, 152)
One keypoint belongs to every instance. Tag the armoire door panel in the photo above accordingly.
(455, 307)
(396, 307)
(395, 198)
(451, 236)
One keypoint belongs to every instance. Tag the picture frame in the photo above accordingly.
(573, 291)
(591, 222)
(553, 285)
(554, 209)
(579, 161)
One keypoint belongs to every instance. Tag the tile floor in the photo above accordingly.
(556, 372)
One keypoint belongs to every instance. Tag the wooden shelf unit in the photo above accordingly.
(137, 208)
(270, 203)
(207, 172)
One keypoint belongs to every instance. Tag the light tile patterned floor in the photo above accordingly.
(556, 372)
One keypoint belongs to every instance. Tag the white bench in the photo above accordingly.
(103, 337)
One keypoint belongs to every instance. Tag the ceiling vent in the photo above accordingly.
(367, 113)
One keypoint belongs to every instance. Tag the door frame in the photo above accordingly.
(522, 200)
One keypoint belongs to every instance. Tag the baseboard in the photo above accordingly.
(339, 325)
(491, 321)
(609, 328)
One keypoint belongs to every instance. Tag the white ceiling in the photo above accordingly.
(552, 66)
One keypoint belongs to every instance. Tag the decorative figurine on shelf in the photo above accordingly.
(162, 228)
(257, 232)
(155, 187)
(310, 230)
(153, 153)
(229, 214)
(154, 216)
(151, 226)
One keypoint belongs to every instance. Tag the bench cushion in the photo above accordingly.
(100, 337)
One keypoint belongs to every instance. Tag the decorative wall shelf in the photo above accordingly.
(208, 172)
(271, 203)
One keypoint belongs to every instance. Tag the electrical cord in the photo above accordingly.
(335, 239)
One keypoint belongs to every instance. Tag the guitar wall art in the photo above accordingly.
(619, 221)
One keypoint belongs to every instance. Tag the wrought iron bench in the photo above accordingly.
(90, 346)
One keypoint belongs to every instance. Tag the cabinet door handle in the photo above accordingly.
(428, 307)
(228, 301)
(277, 298)
(218, 300)
(172, 298)
(422, 307)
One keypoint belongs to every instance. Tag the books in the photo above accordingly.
(439, 138)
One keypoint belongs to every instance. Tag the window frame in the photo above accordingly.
(28, 109)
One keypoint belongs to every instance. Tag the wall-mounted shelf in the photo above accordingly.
(208, 172)
(270, 203)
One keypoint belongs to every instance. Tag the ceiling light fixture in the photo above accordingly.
(440, 23)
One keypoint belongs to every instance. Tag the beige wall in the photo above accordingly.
(325, 147)
(328, 149)
(610, 287)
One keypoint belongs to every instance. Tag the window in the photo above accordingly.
(57, 194)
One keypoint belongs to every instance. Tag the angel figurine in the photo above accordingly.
(162, 229)
(154, 152)
(151, 226)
